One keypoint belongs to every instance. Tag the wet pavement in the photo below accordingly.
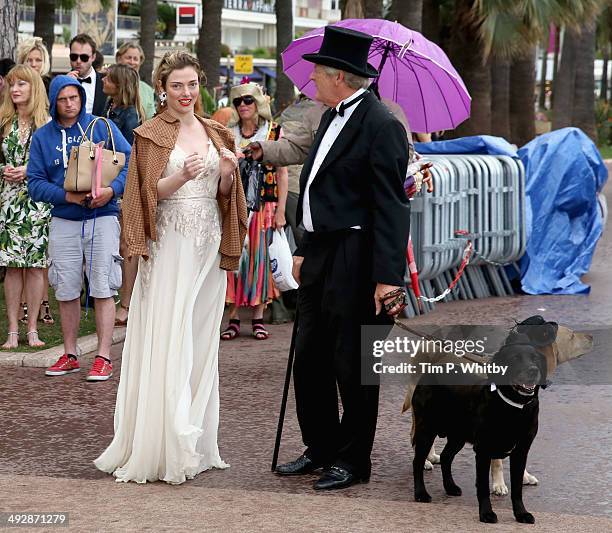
(55, 427)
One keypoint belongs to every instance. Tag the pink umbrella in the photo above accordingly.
(414, 72)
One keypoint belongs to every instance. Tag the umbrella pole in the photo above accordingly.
(374, 86)
(281, 416)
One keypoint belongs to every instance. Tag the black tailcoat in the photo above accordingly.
(360, 183)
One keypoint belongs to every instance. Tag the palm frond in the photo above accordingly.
(509, 27)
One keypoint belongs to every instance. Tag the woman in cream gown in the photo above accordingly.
(167, 410)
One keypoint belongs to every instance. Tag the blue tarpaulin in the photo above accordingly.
(482, 144)
(564, 173)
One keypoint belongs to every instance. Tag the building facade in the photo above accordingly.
(246, 24)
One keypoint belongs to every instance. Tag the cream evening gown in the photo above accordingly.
(167, 410)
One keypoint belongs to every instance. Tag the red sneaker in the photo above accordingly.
(101, 370)
(64, 365)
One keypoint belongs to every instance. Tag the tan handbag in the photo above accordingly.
(82, 162)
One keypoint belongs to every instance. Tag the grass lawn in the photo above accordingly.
(606, 151)
(50, 334)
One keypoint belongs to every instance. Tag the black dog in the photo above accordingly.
(499, 416)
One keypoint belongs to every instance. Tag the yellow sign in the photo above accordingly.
(243, 64)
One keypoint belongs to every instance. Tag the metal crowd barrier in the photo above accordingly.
(477, 198)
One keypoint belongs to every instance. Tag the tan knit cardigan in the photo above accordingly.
(153, 144)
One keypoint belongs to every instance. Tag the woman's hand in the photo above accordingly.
(194, 166)
(279, 219)
(14, 174)
(228, 163)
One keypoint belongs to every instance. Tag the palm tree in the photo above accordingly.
(431, 20)
(500, 97)
(284, 36)
(563, 104)
(352, 9)
(522, 97)
(9, 22)
(513, 31)
(544, 75)
(373, 9)
(44, 21)
(469, 58)
(574, 88)
(583, 116)
(409, 13)
(209, 42)
(604, 40)
(148, 24)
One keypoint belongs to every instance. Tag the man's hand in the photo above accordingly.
(105, 196)
(379, 293)
(279, 219)
(77, 198)
(427, 178)
(297, 266)
(254, 150)
(73, 74)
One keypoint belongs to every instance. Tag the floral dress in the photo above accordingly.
(24, 224)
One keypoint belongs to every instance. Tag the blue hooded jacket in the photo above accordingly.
(49, 153)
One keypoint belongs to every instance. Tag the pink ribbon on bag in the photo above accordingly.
(96, 178)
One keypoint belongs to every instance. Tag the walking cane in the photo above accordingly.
(281, 416)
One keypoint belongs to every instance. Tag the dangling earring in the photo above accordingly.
(163, 96)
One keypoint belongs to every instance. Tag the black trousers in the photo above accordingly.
(335, 298)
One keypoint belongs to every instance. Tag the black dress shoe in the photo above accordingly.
(302, 465)
(337, 477)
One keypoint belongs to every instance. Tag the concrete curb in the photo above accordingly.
(47, 357)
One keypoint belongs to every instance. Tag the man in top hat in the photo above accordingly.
(351, 262)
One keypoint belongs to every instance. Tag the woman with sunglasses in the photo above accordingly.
(252, 286)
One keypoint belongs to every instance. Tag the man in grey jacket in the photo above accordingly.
(300, 122)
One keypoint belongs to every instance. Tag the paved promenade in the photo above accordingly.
(52, 428)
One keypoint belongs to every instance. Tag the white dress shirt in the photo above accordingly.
(329, 138)
(90, 90)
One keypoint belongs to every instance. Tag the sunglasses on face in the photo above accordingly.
(247, 100)
(83, 57)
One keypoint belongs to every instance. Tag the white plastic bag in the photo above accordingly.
(281, 262)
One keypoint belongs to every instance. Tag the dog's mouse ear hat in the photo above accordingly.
(540, 332)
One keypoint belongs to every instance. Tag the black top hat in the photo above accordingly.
(346, 50)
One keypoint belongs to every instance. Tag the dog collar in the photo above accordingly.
(507, 400)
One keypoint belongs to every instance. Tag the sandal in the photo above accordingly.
(24, 308)
(33, 339)
(232, 331)
(8, 345)
(45, 313)
(119, 322)
(259, 331)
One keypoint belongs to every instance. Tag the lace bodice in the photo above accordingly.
(192, 210)
(205, 185)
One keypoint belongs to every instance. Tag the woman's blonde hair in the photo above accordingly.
(176, 61)
(127, 81)
(29, 45)
(38, 106)
(128, 46)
